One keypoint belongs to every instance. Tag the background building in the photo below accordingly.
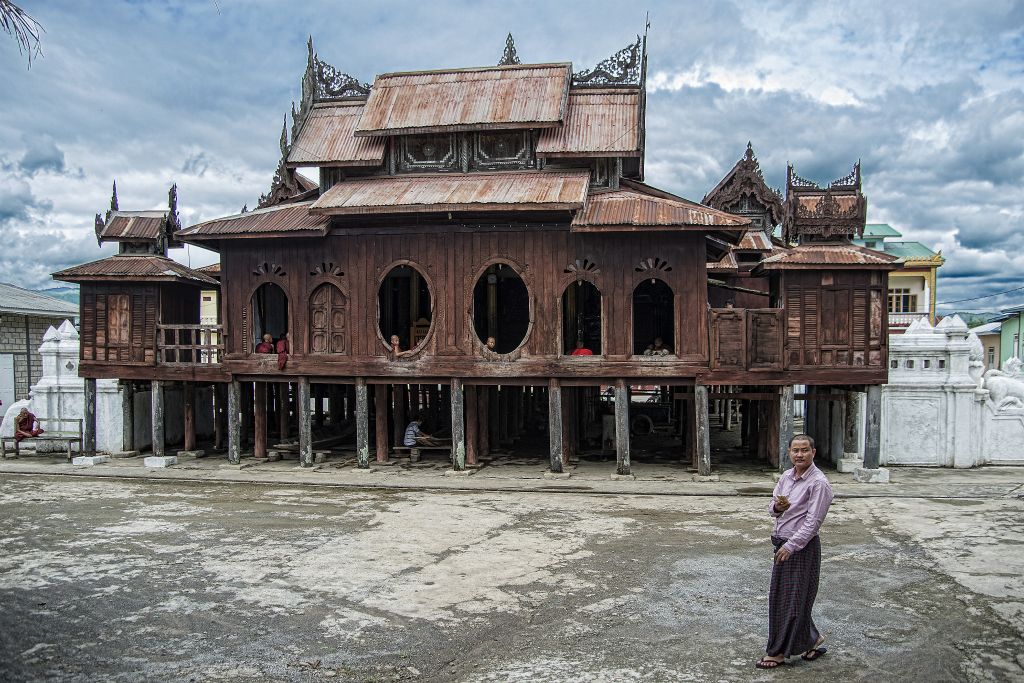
(911, 290)
(24, 318)
(989, 335)
(1011, 333)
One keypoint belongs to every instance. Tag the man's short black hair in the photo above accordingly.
(802, 437)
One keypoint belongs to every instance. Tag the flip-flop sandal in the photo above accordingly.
(814, 653)
(765, 663)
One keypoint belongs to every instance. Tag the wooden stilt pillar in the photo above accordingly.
(458, 426)
(305, 416)
(688, 423)
(472, 427)
(401, 415)
(555, 426)
(245, 404)
(234, 420)
(220, 415)
(622, 464)
(702, 431)
(128, 416)
(851, 419)
(362, 425)
(785, 432)
(568, 408)
(872, 429)
(484, 418)
(771, 432)
(282, 411)
(188, 391)
(259, 422)
(157, 395)
(837, 429)
(380, 420)
(89, 417)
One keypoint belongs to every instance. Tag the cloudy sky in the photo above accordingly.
(929, 95)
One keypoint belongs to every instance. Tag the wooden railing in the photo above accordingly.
(746, 338)
(189, 344)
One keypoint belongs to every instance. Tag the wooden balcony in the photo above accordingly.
(189, 344)
(746, 338)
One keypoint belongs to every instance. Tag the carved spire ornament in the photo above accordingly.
(815, 213)
(744, 192)
(622, 68)
(113, 199)
(509, 56)
(320, 82)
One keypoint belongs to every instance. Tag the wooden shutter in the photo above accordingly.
(728, 340)
(764, 330)
(338, 331)
(88, 308)
(319, 320)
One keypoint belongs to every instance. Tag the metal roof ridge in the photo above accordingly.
(474, 69)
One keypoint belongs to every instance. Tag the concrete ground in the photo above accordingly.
(272, 572)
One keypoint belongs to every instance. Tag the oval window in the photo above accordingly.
(404, 310)
(501, 309)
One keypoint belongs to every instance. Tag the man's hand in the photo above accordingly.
(781, 555)
(781, 504)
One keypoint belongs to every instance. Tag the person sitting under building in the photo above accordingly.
(581, 349)
(267, 345)
(416, 437)
(25, 426)
(658, 348)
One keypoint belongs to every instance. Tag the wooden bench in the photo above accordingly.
(54, 429)
(415, 451)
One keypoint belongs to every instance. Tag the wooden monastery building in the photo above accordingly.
(481, 249)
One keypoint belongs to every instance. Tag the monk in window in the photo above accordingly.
(658, 348)
(25, 425)
(283, 349)
(581, 349)
(267, 345)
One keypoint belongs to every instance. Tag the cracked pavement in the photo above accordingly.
(115, 580)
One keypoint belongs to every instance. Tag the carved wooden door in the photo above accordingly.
(118, 324)
(327, 320)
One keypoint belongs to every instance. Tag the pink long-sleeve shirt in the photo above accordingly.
(809, 496)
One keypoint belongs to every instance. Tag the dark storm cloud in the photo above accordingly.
(927, 94)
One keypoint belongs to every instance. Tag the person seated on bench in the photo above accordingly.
(25, 426)
(417, 438)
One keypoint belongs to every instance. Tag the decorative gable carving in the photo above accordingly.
(744, 192)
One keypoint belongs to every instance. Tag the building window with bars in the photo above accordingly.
(902, 301)
(991, 357)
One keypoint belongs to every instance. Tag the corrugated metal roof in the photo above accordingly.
(133, 267)
(513, 190)
(829, 254)
(596, 122)
(134, 225)
(755, 240)
(881, 230)
(213, 270)
(327, 138)
(727, 264)
(910, 251)
(636, 204)
(14, 299)
(988, 328)
(275, 219)
(527, 96)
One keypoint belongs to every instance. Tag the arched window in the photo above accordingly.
(404, 308)
(501, 308)
(581, 319)
(269, 313)
(653, 318)
(327, 320)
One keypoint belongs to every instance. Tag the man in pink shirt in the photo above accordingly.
(799, 505)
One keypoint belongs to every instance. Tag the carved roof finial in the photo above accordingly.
(509, 57)
(172, 199)
(284, 136)
(245, 208)
(113, 198)
(749, 154)
(99, 228)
